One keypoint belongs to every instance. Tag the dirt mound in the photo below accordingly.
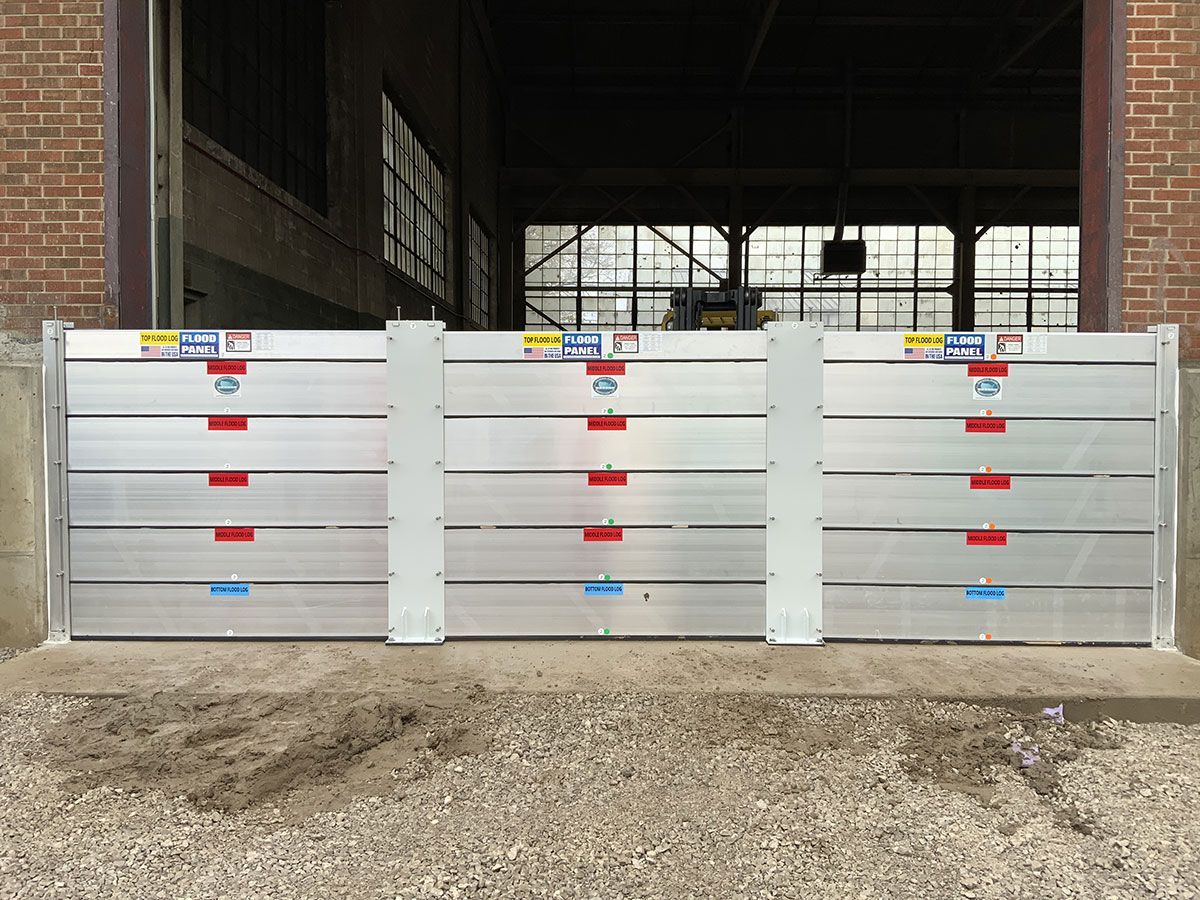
(966, 752)
(233, 751)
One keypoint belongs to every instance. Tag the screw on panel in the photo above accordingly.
(437, 518)
(391, 518)
(770, 518)
(437, 462)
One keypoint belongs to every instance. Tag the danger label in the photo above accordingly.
(227, 423)
(592, 535)
(606, 423)
(608, 479)
(987, 370)
(987, 538)
(229, 479)
(987, 426)
(606, 368)
(233, 535)
(227, 367)
(991, 482)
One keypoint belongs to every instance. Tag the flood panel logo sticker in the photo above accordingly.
(964, 346)
(199, 344)
(581, 345)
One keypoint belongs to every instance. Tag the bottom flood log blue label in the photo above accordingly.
(605, 588)
(987, 593)
(229, 590)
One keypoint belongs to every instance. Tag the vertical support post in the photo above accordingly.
(416, 497)
(1166, 482)
(964, 260)
(58, 544)
(795, 407)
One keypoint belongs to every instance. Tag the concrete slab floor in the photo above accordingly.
(1130, 683)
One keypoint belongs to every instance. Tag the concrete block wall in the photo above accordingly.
(51, 164)
(22, 494)
(1162, 168)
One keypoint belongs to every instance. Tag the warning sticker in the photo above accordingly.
(991, 482)
(924, 346)
(239, 341)
(987, 388)
(987, 426)
(159, 344)
(1010, 344)
(967, 345)
(228, 423)
(227, 367)
(606, 423)
(987, 538)
(608, 479)
(606, 368)
(199, 344)
(591, 535)
(603, 589)
(229, 479)
(542, 345)
(986, 593)
(233, 535)
(581, 345)
(986, 370)
(626, 343)
(229, 589)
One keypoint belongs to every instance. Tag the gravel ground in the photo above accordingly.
(596, 796)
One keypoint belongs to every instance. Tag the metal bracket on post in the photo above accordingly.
(795, 410)
(416, 497)
(58, 535)
(1166, 482)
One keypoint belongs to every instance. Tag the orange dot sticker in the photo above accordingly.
(985, 636)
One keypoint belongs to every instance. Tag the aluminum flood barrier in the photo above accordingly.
(339, 484)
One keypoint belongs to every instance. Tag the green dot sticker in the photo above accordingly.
(608, 465)
(610, 409)
(604, 631)
(610, 356)
(604, 577)
(610, 521)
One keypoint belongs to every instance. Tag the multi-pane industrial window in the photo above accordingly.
(479, 273)
(254, 82)
(1027, 278)
(414, 205)
(621, 276)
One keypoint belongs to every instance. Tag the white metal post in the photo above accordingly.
(1166, 482)
(416, 497)
(795, 371)
(58, 544)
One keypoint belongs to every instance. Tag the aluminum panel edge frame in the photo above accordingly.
(58, 535)
(416, 445)
(1166, 484)
(795, 392)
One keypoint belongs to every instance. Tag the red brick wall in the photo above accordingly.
(1162, 168)
(51, 164)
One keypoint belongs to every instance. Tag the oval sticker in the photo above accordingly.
(987, 387)
(227, 384)
(604, 386)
